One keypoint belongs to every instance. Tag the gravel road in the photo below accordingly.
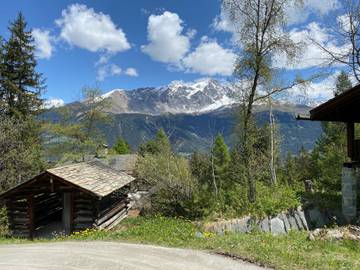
(111, 256)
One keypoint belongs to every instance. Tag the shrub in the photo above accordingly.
(3, 222)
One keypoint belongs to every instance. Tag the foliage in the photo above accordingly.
(220, 159)
(72, 139)
(330, 151)
(121, 147)
(21, 84)
(3, 222)
(160, 144)
(260, 35)
(274, 199)
(20, 89)
(169, 174)
(20, 152)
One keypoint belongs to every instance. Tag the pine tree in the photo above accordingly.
(343, 83)
(330, 151)
(21, 83)
(220, 160)
(121, 146)
(20, 89)
(160, 145)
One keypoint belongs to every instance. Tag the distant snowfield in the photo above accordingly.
(200, 96)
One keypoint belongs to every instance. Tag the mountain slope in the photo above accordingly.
(190, 132)
(192, 114)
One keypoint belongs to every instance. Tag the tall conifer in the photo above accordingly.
(21, 83)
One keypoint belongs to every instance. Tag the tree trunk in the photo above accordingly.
(272, 144)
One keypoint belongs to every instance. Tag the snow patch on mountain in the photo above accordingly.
(200, 96)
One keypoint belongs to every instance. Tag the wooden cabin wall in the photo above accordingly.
(84, 211)
(112, 209)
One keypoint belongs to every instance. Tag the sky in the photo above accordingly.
(140, 43)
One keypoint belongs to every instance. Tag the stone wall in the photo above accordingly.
(296, 219)
(349, 188)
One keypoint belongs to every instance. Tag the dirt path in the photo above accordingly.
(109, 256)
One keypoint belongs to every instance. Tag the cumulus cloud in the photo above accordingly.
(319, 91)
(209, 58)
(132, 72)
(43, 43)
(167, 43)
(53, 103)
(109, 70)
(83, 27)
(299, 14)
(312, 55)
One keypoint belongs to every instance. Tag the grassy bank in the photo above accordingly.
(291, 251)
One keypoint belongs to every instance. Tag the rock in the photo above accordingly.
(264, 225)
(316, 217)
(311, 236)
(241, 225)
(277, 226)
(301, 214)
(198, 234)
(284, 218)
(292, 222)
(299, 221)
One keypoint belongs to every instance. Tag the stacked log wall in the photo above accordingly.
(84, 211)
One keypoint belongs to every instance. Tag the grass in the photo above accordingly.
(291, 251)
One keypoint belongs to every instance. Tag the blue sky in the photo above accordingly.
(138, 43)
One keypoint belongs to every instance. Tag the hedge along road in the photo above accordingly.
(111, 255)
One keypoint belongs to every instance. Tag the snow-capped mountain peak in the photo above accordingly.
(183, 97)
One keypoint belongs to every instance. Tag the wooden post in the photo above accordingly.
(72, 213)
(30, 200)
(350, 139)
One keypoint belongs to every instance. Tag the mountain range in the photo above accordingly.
(193, 113)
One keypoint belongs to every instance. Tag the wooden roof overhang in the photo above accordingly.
(342, 108)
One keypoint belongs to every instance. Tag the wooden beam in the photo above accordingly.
(30, 200)
(350, 139)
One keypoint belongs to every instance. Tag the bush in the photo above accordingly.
(272, 200)
(172, 180)
(3, 222)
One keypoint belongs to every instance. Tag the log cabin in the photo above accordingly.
(71, 198)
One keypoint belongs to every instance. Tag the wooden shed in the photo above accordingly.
(68, 198)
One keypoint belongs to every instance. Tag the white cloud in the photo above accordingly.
(167, 43)
(53, 103)
(299, 14)
(209, 58)
(83, 27)
(312, 55)
(109, 70)
(43, 43)
(222, 23)
(131, 72)
(319, 91)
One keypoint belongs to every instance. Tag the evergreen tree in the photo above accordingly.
(220, 159)
(200, 166)
(330, 151)
(20, 89)
(121, 146)
(343, 83)
(160, 145)
(21, 83)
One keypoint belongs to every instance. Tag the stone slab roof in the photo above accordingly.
(93, 176)
(123, 163)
